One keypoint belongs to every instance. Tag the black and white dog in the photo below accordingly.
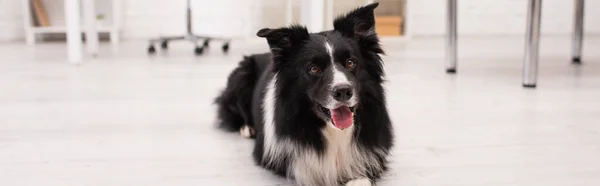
(315, 104)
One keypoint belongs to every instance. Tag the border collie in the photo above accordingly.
(315, 103)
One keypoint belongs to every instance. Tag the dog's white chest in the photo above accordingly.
(342, 160)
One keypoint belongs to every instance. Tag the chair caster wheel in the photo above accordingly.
(198, 51)
(164, 45)
(225, 48)
(151, 49)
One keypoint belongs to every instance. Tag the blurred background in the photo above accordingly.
(91, 94)
(143, 19)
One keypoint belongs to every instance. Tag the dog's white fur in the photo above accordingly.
(359, 182)
(339, 78)
(344, 158)
(245, 131)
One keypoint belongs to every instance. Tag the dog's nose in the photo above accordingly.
(342, 92)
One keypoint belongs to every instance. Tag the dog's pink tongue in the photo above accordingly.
(342, 117)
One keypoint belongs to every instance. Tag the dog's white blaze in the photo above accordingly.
(343, 158)
(339, 78)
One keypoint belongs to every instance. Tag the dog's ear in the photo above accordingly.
(282, 39)
(357, 23)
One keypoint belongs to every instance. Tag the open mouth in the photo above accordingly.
(342, 117)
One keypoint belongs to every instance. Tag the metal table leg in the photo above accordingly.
(451, 49)
(532, 40)
(578, 31)
(92, 39)
(73, 31)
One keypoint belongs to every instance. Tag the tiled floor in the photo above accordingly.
(129, 119)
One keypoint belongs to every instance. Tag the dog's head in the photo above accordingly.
(331, 68)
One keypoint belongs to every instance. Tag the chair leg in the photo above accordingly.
(578, 31)
(451, 34)
(532, 37)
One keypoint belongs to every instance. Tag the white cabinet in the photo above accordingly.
(110, 10)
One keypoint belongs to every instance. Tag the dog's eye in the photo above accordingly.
(350, 64)
(314, 69)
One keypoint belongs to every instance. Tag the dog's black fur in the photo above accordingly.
(301, 94)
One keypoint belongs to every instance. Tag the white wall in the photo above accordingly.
(242, 18)
(151, 18)
(11, 24)
(226, 18)
(498, 17)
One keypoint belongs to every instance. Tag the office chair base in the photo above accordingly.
(198, 50)
(151, 49)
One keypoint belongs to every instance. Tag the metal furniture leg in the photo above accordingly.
(578, 31)
(73, 31)
(29, 34)
(92, 39)
(289, 14)
(116, 21)
(532, 40)
(451, 49)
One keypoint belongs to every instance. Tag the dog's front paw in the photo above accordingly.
(359, 182)
(247, 131)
